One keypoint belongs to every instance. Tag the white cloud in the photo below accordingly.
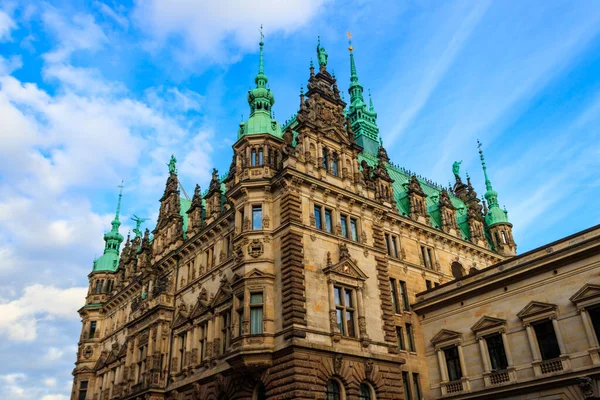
(204, 26)
(18, 318)
(7, 24)
(50, 382)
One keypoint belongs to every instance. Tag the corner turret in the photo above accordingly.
(496, 219)
(109, 261)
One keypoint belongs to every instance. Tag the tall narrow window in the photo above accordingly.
(503, 237)
(318, 219)
(406, 383)
(325, 160)
(253, 160)
(546, 337)
(141, 365)
(354, 229)
(364, 392)
(394, 246)
(394, 295)
(410, 337)
(98, 286)
(594, 314)
(182, 340)
(344, 304)
(400, 336)
(240, 315)
(428, 284)
(83, 385)
(260, 156)
(388, 247)
(209, 254)
(332, 391)
(225, 331)
(416, 385)
(344, 225)
(430, 256)
(257, 217)
(453, 363)
(496, 352)
(92, 330)
(256, 314)
(328, 221)
(334, 164)
(203, 339)
(404, 295)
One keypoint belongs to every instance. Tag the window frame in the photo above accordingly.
(256, 207)
(257, 306)
(410, 335)
(342, 308)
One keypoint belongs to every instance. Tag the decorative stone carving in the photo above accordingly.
(255, 248)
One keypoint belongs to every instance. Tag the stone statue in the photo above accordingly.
(456, 169)
(321, 54)
(172, 165)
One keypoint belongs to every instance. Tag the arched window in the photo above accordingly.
(365, 393)
(333, 391)
(259, 392)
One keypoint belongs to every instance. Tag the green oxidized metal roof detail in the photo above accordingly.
(261, 101)
(495, 214)
(109, 261)
(401, 179)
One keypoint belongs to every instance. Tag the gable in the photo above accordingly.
(588, 292)
(486, 322)
(346, 267)
(445, 335)
(181, 318)
(536, 308)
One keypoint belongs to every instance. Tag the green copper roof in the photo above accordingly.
(495, 214)
(401, 178)
(109, 261)
(362, 117)
(261, 101)
(184, 207)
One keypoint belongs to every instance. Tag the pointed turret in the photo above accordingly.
(363, 117)
(261, 101)
(496, 219)
(109, 261)
(169, 227)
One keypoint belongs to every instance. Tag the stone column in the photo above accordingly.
(442, 364)
(532, 343)
(509, 358)
(461, 358)
(362, 323)
(559, 338)
(484, 355)
(332, 312)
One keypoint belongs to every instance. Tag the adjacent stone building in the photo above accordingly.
(293, 275)
(525, 328)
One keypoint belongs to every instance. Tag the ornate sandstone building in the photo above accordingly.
(296, 274)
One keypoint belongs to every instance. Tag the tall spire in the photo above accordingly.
(261, 101)
(362, 117)
(112, 241)
(490, 195)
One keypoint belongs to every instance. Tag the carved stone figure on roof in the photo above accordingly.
(322, 55)
(172, 165)
(344, 253)
(456, 169)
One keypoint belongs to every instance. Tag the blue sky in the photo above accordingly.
(95, 92)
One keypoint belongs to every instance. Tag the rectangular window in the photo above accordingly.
(328, 222)
(344, 225)
(546, 337)
(182, 340)
(325, 161)
(394, 246)
(209, 254)
(496, 352)
(417, 386)
(428, 284)
(354, 229)
(407, 392)
(388, 246)
(203, 339)
(260, 157)
(257, 217)
(410, 337)
(83, 389)
(453, 363)
(92, 330)
(400, 336)
(404, 296)
(594, 314)
(427, 257)
(394, 295)
(225, 331)
(345, 310)
(240, 315)
(141, 365)
(256, 313)
(253, 156)
(318, 219)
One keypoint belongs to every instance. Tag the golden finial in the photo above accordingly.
(350, 48)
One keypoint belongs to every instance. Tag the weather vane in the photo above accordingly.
(349, 41)
(262, 36)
